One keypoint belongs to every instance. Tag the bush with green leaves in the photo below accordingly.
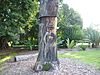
(69, 24)
(83, 47)
(93, 36)
(70, 44)
(29, 44)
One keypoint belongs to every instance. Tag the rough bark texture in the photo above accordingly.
(47, 58)
(48, 8)
(3, 43)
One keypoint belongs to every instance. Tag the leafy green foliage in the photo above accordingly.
(72, 32)
(67, 16)
(30, 43)
(69, 24)
(93, 36)
(83, 47)
(70, 44)
(14, 14)
(17, 17)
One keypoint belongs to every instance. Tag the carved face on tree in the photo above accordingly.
(50, 28)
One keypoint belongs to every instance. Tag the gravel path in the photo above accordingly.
(67, 67)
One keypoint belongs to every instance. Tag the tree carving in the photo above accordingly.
(47, 57)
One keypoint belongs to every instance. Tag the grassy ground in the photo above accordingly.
(4, 57)
(90, 57)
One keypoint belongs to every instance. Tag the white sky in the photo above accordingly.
(88, 9)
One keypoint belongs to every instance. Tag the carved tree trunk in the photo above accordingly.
(47, 58)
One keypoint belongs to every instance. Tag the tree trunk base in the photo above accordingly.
(46, 66)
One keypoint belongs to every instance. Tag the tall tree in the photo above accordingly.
(67, 16)
(47, 58)
(15, 15)
(69, 23)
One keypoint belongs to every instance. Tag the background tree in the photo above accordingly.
(15, 16)
(67, 16)
(93, 36)
(69, 24)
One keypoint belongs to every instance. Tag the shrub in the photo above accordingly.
(93, 36)
(83, 47)
(70, 44)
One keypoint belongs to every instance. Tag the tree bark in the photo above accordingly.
(3, 43)
(48, 8)
(47, 58)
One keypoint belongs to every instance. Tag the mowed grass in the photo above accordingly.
(90, 57)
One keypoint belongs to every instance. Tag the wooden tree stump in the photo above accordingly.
(47, 58)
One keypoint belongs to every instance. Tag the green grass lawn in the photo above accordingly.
(90, 57)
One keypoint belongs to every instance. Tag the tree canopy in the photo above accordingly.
(17, 17)
(69, 23)
(67, 16)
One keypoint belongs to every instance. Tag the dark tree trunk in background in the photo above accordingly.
(3, 43)
(95, 45)
(47, 58)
